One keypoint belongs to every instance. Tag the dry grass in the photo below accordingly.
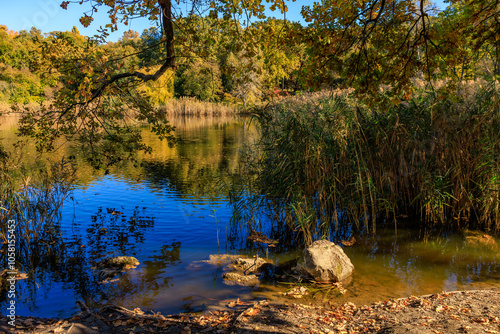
(311, 98)
(184, 123)
(187, 106)
(4, 107)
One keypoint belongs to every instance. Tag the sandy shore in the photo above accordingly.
(475, 311)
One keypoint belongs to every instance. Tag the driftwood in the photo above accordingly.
(87, 312)
(256, 236)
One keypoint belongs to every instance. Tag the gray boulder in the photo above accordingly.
(325, 262)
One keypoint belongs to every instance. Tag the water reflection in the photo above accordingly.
(147, 211)
(200, 163)
(170, 211)
(117, 234)
(143, 286)
(412, 262)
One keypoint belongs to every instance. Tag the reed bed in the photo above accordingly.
(4, 107)
(188, 106)
(187, 123)
(333, 160)
(35, 208)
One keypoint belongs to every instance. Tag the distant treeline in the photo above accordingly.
(211, 66)
(215, 63)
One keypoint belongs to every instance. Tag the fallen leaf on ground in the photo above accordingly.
(252, 311)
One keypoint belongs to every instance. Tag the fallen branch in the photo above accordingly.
(89, 313)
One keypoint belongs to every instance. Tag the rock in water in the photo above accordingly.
(480, 239)
(119, 263)
(251, 265)
(325, 262)
(113, 266)
(240, 279)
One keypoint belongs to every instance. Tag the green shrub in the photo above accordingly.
(19, 86)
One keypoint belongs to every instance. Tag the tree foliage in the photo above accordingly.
(201, 79)
(245, 75)
(99, 90)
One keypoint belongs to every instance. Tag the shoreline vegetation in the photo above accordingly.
(190, 106)
(328, 160)
(175, 107)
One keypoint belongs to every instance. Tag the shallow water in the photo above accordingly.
(175, 214)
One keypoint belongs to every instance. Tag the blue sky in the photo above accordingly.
(47, 15)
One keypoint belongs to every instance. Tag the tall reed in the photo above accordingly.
(35, 208)
(334, 160)
(188, 106)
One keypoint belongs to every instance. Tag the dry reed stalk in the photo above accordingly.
(430, 157)
(187, 106)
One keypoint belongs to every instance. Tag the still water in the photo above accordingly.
(172, 211)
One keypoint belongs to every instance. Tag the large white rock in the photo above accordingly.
(325, 262)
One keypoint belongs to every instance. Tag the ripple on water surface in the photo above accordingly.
(170, 213)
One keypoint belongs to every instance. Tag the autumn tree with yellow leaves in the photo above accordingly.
(368, 44)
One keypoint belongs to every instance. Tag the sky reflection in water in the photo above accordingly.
(174, 214)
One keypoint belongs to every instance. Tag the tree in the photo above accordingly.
(202, 42)
(282, 52)
(465, 55)
(369, 43)
(245, 72)
(386, 42)
(94, 102)
(201, 79)
(18, 61)
(96, 98)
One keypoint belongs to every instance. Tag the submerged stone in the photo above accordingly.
(324, 262)
(232, 278)
(478, 238)
(297, 292)
(8, 274)
(256, 264)
(235, 263)
(110, 267)
(221, 259)
(238, 270)
(119, 262)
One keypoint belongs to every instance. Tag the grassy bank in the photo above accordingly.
(332, 160)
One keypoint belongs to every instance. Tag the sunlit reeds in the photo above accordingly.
(333, 160)
(187, 106)
(35, 208)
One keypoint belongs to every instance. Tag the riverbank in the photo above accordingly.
(476, 311)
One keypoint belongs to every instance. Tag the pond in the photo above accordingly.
(171, 212)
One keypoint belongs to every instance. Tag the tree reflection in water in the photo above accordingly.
(69, 262)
